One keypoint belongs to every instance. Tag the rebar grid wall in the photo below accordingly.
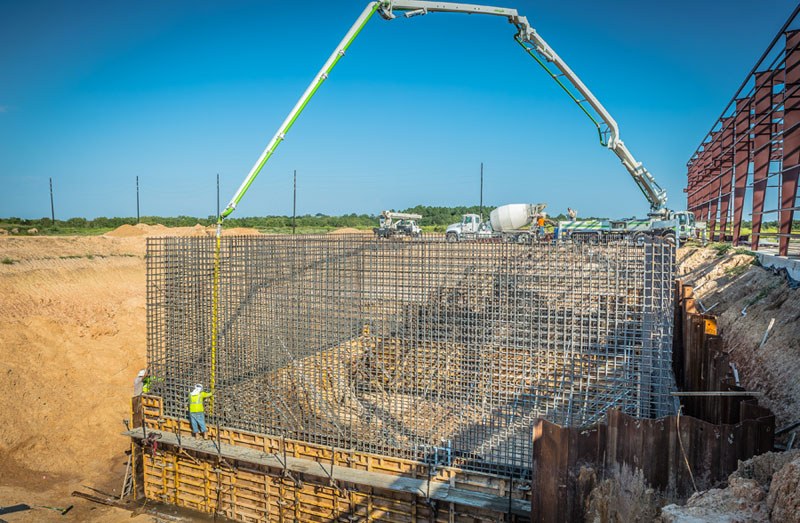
(424, 350)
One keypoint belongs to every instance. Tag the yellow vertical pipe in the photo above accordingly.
(214, 319)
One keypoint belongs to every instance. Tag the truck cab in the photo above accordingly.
(689, 228)
(409, 228)
(470, 224)
(681, 223)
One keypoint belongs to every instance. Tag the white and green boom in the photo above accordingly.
(526, 36)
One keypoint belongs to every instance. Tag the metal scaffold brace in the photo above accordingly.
(526, 36)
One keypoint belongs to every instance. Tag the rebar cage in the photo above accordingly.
(427, 350)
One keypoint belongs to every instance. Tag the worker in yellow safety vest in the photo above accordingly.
(147, 382)
(197, 416)
(143, 383)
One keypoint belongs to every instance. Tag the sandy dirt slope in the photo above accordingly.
(728, 284)
(72, 335)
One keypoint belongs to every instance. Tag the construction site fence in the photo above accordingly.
(442, 353)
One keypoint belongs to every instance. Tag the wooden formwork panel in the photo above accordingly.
(251, 494)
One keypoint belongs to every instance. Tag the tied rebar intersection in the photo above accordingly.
(433, 351)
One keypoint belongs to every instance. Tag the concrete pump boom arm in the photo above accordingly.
(527, 37)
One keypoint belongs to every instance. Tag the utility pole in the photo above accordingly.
(137, 199)
(52, 207)
(294, 202)
(217, 195)
(481, 213)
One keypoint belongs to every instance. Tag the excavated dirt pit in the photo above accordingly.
(72, 332)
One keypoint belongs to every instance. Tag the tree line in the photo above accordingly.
(434, 218)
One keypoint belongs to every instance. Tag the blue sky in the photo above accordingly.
(95, 93)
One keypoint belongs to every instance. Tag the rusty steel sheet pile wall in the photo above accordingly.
(753, 151)
(423, 350)
(675, 454)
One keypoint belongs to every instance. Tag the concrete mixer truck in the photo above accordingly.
(510, 223)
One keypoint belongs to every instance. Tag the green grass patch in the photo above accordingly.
(761, 295)
(8, 261)
(744, 251)
(737, 270)
(720, 248)
(299, 230)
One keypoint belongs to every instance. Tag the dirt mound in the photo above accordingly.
(783, 499)
(349, 230)
(143, 230)
(764, 488)
(126, 231)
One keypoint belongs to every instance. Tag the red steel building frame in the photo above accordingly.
(755, 144)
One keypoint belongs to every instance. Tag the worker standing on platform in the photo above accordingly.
(540, 221)
(139, 383)
(147, 383)
(197, 415)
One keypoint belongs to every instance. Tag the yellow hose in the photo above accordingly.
(214, 320)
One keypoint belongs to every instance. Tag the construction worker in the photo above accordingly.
(147, 382)
(197, 415)
(138, 383)
(143, 383)
(540, 222)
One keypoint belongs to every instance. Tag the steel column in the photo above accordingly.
(712, 188)
(762, 149)
(726, 175)
(791, 141)
(742, 148)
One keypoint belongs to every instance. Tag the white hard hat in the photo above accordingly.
(141, 373)
(544, 214)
